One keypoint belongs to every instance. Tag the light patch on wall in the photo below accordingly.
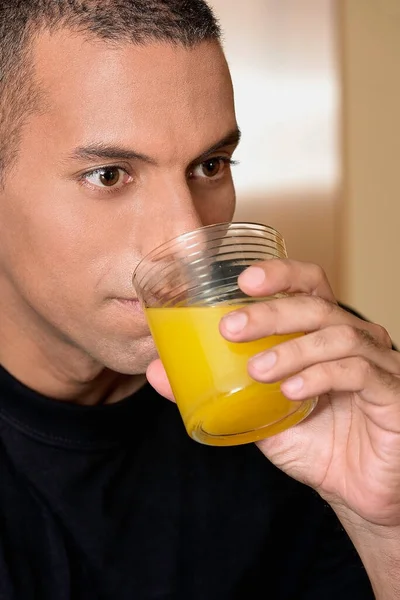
(283, 60)
(289, 132)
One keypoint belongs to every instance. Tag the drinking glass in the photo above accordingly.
(186, 286)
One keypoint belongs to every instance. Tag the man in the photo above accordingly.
(117, 132)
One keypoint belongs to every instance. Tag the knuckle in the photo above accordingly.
(319, 340)
(364, 368)
(391, 382)
(344, 367)
(356, 370)
(350, 336)
(319, 273)
(382, 335)
(368, 339)
(323, 308)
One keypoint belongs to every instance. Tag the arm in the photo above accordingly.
(379, 549)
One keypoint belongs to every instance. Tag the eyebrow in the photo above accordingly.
(232, 139)
(100, 151)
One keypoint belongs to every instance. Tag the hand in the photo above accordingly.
(349, 448)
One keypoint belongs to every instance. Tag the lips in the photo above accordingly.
(133, 316)
(131, 303)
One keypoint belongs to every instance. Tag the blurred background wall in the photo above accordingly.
(370, 262)
(318, 101)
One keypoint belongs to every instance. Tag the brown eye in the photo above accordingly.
(212, 167)
(110, 177)
(107, 177)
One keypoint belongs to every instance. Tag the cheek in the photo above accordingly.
(216, 207)
(52, 237)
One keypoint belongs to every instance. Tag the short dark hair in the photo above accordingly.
(184, 22)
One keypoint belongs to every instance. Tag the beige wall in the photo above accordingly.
(283, 60)
(370, 262)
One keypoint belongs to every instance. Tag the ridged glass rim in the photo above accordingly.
(227, 226)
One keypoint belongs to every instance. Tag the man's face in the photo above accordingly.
(119, 160)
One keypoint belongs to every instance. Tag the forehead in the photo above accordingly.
(156, 93)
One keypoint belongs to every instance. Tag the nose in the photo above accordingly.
(164, 274)
(173, 213)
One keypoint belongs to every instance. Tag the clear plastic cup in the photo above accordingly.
(186, 286)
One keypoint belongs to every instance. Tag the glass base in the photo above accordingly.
(199, 433)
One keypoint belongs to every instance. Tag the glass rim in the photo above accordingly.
(187, 235)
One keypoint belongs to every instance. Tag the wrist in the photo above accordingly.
(379, 550)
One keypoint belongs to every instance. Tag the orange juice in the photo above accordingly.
(219, 402)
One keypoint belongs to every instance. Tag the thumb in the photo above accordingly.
(158, 379)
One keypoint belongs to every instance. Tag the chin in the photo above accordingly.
(128, 362)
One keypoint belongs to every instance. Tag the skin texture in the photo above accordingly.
(69, 248)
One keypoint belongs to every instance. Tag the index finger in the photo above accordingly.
(276, 276)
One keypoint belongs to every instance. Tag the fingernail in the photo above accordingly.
(235, 322)
(253, 277)
(264, 362)
(293, 386)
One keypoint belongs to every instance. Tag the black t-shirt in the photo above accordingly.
(118, 503)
